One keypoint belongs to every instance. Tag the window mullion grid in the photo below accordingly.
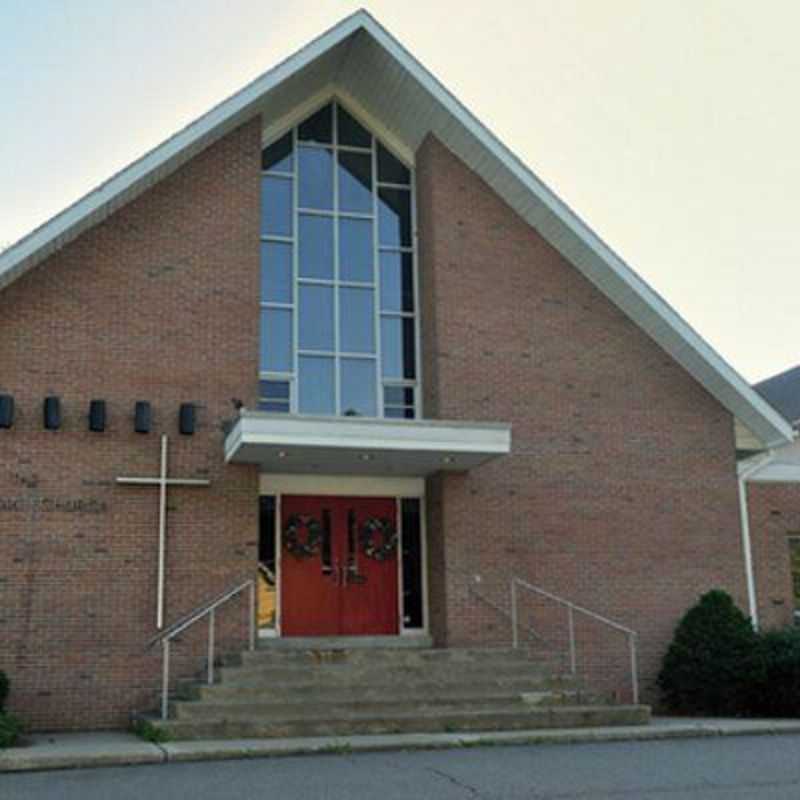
(415, 278)
(335, 167)
(376, 277)
(294, 395)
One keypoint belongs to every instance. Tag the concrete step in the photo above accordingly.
(365, 673)
(311, 691)
(334, 706)
(520, 717)
(383, 656)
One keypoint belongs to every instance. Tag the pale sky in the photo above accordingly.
(670, 126)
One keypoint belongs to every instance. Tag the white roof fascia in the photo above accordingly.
(686, 345)
(556, 222)
(63, 227)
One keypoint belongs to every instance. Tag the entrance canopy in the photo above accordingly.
(356, 446)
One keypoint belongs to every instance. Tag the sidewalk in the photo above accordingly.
(73, 750)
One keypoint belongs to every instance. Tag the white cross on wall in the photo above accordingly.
(162, 481)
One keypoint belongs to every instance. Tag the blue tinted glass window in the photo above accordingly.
(276, 206)
(350, 132)
(394, 217)
(337, 282)
(276, 340)
(316, 380)
(315, 174)
(356, 251)
(398, 396)
(357, 383)
(276, 272)
(318, 127)
(355, 182)
(316, 317)
(274, 390)
(357, 320)
(397, 348)
(278, 156)
(397, 281)
(315, 247)
(391, 169)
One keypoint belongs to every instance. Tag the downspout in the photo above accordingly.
(747, 547)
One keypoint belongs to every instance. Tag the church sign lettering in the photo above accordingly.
(46, 505)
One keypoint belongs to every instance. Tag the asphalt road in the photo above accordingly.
(734, 768)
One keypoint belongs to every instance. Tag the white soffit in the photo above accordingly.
(358, 446)
(371, 67)
(780, 466)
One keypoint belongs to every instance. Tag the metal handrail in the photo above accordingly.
(208, 609)
(571, 609)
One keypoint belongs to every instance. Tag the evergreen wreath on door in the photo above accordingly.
(378, 538)
(297, 546)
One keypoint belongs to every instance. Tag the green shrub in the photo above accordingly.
(149, 732)
(5, 685)
(777, 694)
(712, 664)
(10, 729)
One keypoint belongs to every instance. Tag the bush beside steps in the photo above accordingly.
(10, 726)
(718, 665)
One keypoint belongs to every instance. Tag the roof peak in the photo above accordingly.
(388, 81)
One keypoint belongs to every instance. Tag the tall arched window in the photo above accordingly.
(338, 284)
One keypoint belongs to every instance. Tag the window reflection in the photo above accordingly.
(278, 156)
(276, 272)
(331, 342)
(356, 320)
(316, 247)
(357, 379)
(356, 252)
(316, 385)
(276, 340)
(316, 317)
(276, 206)
(397, 281)
(350, 132)
(318, 127)
(394, 217)
(315, 172)
(397, 345)
(355, 182)
(391, 169)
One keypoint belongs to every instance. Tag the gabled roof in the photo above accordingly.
(782, 392)
(366, 65)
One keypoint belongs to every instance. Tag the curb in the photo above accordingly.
(74, 751)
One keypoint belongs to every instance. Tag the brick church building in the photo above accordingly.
(335, 346)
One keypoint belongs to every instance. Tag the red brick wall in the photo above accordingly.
(620, 493)
(774, 514)
(157, 303)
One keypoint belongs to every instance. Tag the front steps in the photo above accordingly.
(288, 689)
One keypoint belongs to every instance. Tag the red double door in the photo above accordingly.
(342, 581)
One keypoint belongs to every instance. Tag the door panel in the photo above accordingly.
(338, 590)
(310, 597)
(369, 594)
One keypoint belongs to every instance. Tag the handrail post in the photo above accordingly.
(573, 664)
(634, 669)
(252, 622)
(514, 631)
(211, 623)
(165, 681)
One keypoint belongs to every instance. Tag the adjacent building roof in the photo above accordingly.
(782, 392)
(366, 66)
